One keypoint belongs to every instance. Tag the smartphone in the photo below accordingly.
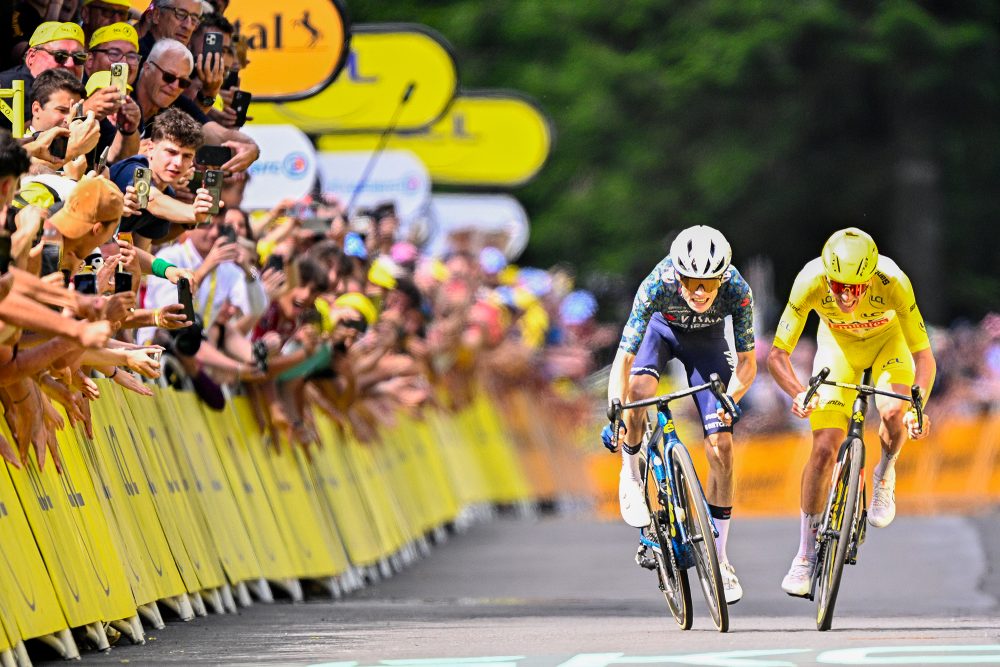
(85, 283)
(141, 178)
(125, 237)
(58, 146)
(213, 156)
(184, 298)
(123, 281)
(232, 80)
(197, 180)
(276, 262)
(212, 43)
(241, 104)
(4, 253)
(78, 112)
(51, 258)
(102, 161)
(228, 232)
(213, 183)
(119, 77)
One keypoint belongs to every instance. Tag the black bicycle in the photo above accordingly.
(681, 533)
(842, 529)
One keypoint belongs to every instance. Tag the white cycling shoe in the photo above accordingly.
(799, 577)
(882, 510)
(631, 502)
(733, 590)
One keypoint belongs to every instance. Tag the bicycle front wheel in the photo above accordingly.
(839, 522)
(673, 579)
(701, 536)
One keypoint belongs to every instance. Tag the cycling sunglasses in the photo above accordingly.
(839, 288)
(708, 285)
(169, 77)
(360, 326)
(79, 57)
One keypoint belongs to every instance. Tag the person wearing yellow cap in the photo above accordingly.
(111, 44)
(115, 43)
(97, 14)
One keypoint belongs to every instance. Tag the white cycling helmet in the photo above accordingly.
(701, 252)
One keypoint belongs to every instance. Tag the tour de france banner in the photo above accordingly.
(487, 138)
(384, 59)
(396, 176)
(286, 167)
(297, 47)
(489, 215)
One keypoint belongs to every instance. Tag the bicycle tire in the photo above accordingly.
(699, 529)
(672, 578)
(840, 519)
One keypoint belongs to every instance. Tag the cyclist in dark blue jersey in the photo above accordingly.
(679, 313)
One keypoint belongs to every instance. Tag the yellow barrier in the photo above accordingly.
(170, 502)
(954, 469)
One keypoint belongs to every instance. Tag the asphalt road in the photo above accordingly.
(565, 592)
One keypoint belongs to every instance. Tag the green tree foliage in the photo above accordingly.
(777, 122)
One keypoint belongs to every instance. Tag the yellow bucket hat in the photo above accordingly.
(51, 31)
(100, 80)
(115, 32)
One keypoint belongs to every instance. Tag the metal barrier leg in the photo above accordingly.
(197, 604)
(21, 655)
(151, 612)
(424, 546)
(262, 589)
(131, 628)
(7, 658)
(293, 587)
(98, 636)
(228, 601)
(385, 568)
(63, 644)
(180, 605)
(243, 594)
(213, 597)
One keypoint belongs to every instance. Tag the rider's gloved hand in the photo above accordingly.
(608, 436)
(724, 411)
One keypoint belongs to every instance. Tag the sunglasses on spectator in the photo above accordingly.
(709, 285)
(169, 77)
(182, 15)
(854, 289)
(358, 325)
(117, 55)
(79, 57)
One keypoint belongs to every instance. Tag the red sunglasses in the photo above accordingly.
(855, 289)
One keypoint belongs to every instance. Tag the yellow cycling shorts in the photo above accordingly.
(886, 354)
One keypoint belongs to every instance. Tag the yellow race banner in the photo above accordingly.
(488, 138)
(383, 61)
(297, 47)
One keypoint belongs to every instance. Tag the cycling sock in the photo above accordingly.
(721, 516)
(807, 535)
(886, 466)
(630, 465)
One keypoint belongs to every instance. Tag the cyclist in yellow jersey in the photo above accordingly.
(868, 319)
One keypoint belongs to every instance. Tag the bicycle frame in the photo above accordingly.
(666, 485)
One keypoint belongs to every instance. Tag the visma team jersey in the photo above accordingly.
(660, 292)
(889, 302)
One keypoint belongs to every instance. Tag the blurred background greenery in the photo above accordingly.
(776, 122)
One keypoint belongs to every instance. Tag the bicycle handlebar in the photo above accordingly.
(820, 378)
(714, 385)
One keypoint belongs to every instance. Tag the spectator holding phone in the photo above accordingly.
(113, 44)
(169, 156)
(212, 48)
(55, 94)
(164, 76)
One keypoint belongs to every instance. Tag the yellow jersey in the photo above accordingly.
(888, 303)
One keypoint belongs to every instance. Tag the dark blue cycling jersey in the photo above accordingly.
(660, 293)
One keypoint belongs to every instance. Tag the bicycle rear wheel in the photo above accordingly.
(701, 535)
(838, 524)
(673, 579)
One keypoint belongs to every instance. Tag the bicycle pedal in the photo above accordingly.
(644, 561)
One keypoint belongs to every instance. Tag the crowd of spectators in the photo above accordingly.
(120, 259)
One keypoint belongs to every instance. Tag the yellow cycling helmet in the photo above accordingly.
(850, 256)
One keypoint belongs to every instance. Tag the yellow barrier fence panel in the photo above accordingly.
(411, 478)
(165, 489)
(215, 503)
(112, 494)
(532, 448)
(8, 634)
(444, 499)
(312, 484)
(395, 488)
(465, 477)
(57, 535)
(359, 459)
(127, 473)
(507, 469)
(302, 530)
(31, 608)
(341, 491)
(274, 557)
(105, 560)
